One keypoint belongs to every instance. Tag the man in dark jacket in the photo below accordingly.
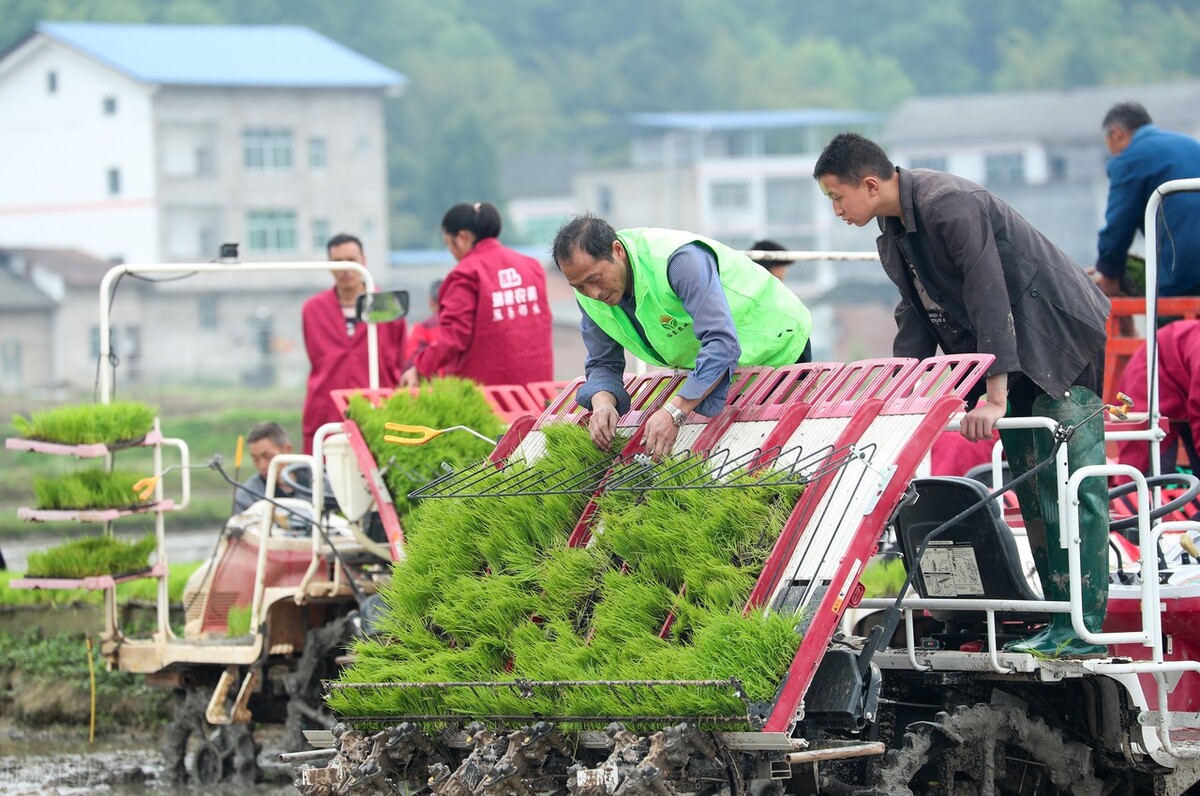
(974, 276)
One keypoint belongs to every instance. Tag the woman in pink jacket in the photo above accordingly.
(494, 317)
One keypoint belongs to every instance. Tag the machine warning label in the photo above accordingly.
(951, 571)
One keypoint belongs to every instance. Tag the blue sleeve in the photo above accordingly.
(1122, 218)
(604, 366)
(693, 275)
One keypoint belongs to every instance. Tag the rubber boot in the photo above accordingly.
(1021, 451)
(1086, 447)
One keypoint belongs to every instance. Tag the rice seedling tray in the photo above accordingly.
(91, 583)
(115, 424)
(91, 515)
(90, 450)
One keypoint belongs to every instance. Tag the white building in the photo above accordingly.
(158, 143)
(738, 177)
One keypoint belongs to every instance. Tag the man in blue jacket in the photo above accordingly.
(1144, 157)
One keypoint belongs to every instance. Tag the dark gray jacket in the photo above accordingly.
(1023, 299)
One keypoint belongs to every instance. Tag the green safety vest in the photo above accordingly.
(772, 323)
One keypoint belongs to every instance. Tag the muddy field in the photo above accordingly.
(60, 761)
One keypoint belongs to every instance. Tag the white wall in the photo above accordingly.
(56, 149)
(350, 191)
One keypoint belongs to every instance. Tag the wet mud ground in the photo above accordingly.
(60, 762)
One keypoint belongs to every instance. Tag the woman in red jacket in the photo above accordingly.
(494, 317)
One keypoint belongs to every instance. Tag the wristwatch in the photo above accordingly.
(677, 414)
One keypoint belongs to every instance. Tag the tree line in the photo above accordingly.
(494, 79)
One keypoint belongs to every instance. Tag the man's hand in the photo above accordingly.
(603, 425)
(660, 434)
(1108, 285)
(977, 424)
(409, 378)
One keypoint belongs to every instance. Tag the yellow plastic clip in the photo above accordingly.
(144, 487)
(424, 434)
(1120, 412)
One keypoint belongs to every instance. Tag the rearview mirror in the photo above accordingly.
(382, 307)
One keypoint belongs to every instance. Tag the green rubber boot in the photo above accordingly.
(1021, 450)
(1086, 447)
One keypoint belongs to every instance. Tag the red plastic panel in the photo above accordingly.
(859, 382)
(787, 386)
(647, 393)
(511, 401)
(383, 498)
(341, 398)
(544, 392)
(937, 377)
(804, 511)
(827, 615)
(563, 408)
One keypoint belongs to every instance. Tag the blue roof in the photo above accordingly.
(278, 56)
(755, 120)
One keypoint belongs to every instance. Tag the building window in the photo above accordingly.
(206, 160)
(271, 230)
(1057, 169)
(114, 182)
(928, 162)
(604, 203)
(207, 241)
(1006, 168)
(730, 195)
(316, 153)
(267, 149)
(789, 201)
(10, 365)
(206, 308)
(52, 82)
(110, 106)
(320, 233)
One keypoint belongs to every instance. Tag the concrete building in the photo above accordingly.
(737, 177)
(1041, 151)
(158, 143)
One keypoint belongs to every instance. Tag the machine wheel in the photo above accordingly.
(986, 749)
(306, 706)
(198, 753)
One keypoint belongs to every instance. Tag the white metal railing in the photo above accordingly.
(110, 278)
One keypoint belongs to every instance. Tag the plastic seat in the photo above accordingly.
(976, 558)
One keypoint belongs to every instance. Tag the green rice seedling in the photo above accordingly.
(629, 608)
(883, 576)
(441, 403)
(718, 585)
(93, 488)
(495, 572)
(237, 622)
(93, 555)
(483, 606)
(756, 649)
(111, 424)
(568, 577)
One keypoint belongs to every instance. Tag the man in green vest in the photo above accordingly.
(675, 300)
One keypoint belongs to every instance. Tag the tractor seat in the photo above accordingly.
(976, 558)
